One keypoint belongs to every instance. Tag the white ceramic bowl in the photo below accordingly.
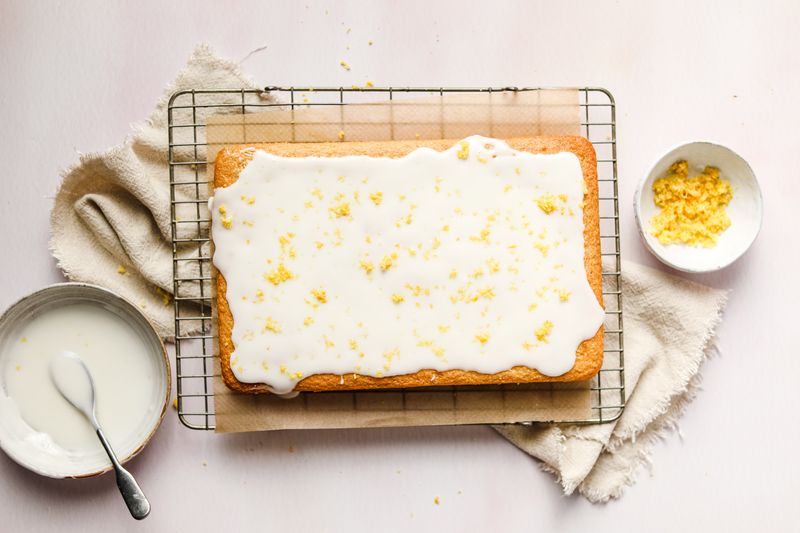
(36, 451)
(745, 208)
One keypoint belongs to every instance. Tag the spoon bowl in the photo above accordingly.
(74, 381)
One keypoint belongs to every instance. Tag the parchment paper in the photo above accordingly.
(448, 116)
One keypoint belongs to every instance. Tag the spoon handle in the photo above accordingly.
(134, 497)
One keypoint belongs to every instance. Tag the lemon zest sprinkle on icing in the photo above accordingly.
(320, 295)
(388, 261)
(543, 332)
(463, 151)
(341, 210)
(271, 325)
(547, 203)
(279, 275)
(366, 266)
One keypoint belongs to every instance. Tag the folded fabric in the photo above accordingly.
(669, 328)
(110, 222)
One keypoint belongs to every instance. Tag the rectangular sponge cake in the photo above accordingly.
(232, 160)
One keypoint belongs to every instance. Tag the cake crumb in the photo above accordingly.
(340, 135)
(398, 298)
(175, 404)
(307, 321)
(344, 64)
(436, 500)
(376, 197)
(23, 340)
(369, 84)
(18, 368)
(166, 297)
(121, 269)
(370, 42)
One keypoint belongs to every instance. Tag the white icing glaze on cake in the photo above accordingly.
(469, 259)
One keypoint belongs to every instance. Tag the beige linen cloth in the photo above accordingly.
(112, 210)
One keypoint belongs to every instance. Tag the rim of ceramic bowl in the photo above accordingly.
(637, 197)
(127, 306)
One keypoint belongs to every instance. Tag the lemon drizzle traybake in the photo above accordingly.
(396, 264)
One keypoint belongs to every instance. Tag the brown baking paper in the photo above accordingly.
(436, 116)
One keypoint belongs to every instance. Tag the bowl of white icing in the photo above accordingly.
(39, 429)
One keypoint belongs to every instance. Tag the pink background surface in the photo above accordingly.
(76, 74)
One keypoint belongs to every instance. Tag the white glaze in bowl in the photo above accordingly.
(39, 451)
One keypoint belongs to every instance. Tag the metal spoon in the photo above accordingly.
(74, 381)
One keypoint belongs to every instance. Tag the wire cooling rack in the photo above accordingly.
(192, 271)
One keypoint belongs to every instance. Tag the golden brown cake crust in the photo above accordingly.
(589, 356)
